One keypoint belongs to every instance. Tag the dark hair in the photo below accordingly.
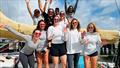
(70, 8)
(34, 31)
(38, 28)
(57, 9)
(78, 26)
(51, 9)
(62, 12)
(95, 29)
(36, 11)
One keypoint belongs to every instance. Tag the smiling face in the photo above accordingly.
(91, 28)
(36, 13)
(56, 11)
(74, 24)
(62, 15)
(70, 9)
(42, 25)
(36, 34)
(56, 20)
(50, 12)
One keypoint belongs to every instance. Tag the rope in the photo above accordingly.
(117, 6)
(5, 47)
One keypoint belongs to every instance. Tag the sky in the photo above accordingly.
(105, 13)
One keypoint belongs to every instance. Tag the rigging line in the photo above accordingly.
(117, 6)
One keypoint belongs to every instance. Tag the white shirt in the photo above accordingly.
(63, 23)
(56, 33)
(43, 41)
(70, 16)
(73, 38)
(36, 20)
(93, 43)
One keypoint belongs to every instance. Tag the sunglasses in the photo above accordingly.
(37, 33)
(42, 24)
(90, 27)
(50, 11)
(56, 19)
(74, 22)
(62, 13)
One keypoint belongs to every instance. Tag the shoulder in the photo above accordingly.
(28, 36)
(50, 28)
(96, 33)
(44, 32)
(33, 16)
(44, 14)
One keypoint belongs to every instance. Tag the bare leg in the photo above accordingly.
(55, 61)
(94, 61)
(39, 60)
(64, 61)
(46, 59)
(87, 61)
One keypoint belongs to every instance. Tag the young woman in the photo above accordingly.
(48, 17)
(36, 16)
(26, 54)
(92, 43)
(57, 11)
(70, 11)
(42, 53)
(56, 38)
(63, 20)
(73, 43)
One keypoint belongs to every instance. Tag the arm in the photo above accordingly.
(100, 42)
(75, 7)
(65, 34)
(14, 31)
(45, 6)
(49, 39)
(65, 6)
(41, 7)
(28, 7)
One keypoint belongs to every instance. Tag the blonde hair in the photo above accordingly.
(91, 23)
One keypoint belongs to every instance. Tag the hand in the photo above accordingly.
(86, 41)
(83, 34)
(49, 44)
(50, 1)
(42, 51)
(51, 37)
(104, 42)
(2, 25)
(27, 1)
(65, 30)
(45, 49)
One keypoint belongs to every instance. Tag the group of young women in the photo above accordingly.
(58, 34)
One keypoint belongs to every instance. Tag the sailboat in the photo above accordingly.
(20, 27)
(111, 36)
